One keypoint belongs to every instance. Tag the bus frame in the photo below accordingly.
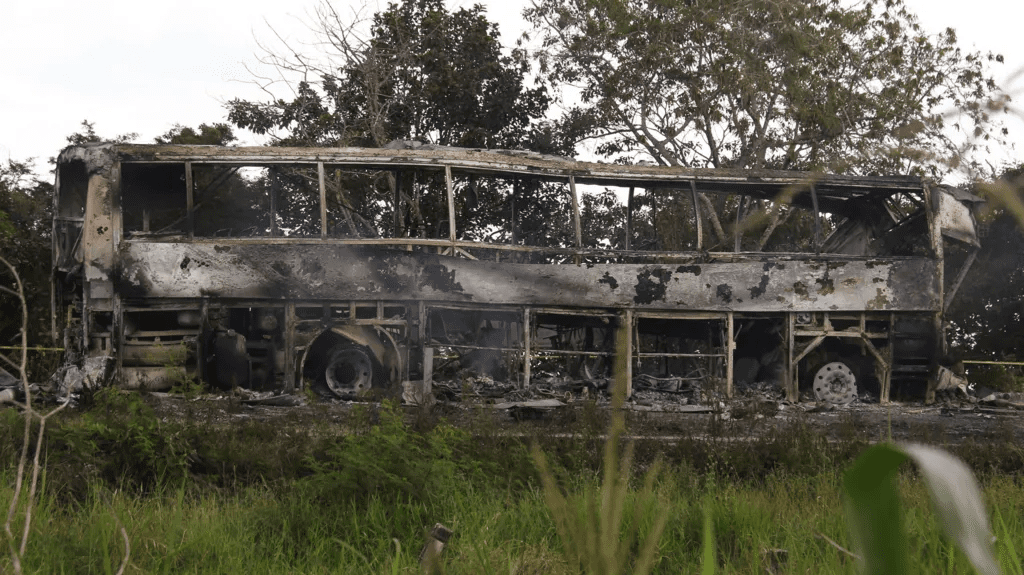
(147, 308)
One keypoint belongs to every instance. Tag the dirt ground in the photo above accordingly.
(557, 409)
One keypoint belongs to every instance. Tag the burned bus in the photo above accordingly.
(349, 269)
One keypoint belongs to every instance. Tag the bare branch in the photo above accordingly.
(17, 554)
(836, 545)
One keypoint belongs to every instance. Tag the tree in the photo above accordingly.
(988, 312)
(420, 73)
(219, 134)
(417, 71)
(25, 220)
(88, 135)
(768, 84)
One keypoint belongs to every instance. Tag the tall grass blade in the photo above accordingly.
(873, 511)
(1006, 542)
(957, 499)
(873, 507)
(708, 553)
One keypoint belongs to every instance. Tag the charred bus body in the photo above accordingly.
(348, 269)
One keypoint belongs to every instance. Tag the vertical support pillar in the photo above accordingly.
(577, 225)
(397, 203)
(792, 386)
(737, 233)
(116, 338)
(817, 220)
(886, 383)
(275, 189)
(696, 215)
(428, 371)
(289, 346)
(416, 332)
(322, 181)
(886, 390)
(931, 202)
(449, 185)
(201, 348)
(527, 345)
(623, 372)
(515, 194)
(629, 219)
(189, 202)
(730, 350)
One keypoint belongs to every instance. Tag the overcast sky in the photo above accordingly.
(136, 66)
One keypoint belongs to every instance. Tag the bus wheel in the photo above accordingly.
(349, 370)
(834, 383)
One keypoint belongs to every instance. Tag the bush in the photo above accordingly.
(122, 443)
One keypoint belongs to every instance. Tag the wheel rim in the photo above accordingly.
(835, 383)
(349, 371)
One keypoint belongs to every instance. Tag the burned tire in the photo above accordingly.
(834, 383)
(349, 371)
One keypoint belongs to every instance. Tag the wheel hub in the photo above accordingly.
(835, 383)
(349, 371)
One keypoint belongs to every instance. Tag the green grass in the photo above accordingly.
(259, 530)
(252, 498)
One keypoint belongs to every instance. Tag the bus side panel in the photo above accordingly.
(339, 272)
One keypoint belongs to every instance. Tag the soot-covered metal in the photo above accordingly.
(349, 270)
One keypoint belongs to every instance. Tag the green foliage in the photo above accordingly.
(25, 221)
(277, 515)
(387, 460)
(997, 377)
(595, 530)
(988, 311)
(848, 88)
(88, 135)
(218, 134)
(126, 445)
(423, 73)
(708, 560)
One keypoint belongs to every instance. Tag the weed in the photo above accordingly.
(126, 444)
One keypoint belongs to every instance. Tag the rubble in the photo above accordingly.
(6, 379)
(93, 373)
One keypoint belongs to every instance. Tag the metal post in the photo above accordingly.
(739, 219)
(189, 202)
(428, 371)
(623, 373)
(729, 350)
(515, 193)
(577, 225)
(527, 342)
(792, 386)
(322, 179)
(629, 218)
(451, 206)
(289, 347)
(696, 215)
(275, 186)
(817, 221)
(397, 202)
(931, 202)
